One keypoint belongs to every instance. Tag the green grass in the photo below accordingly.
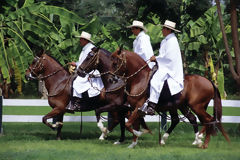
(23, 141)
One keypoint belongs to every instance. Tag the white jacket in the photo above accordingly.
(142, 46)
(82, 84)
(170, 67)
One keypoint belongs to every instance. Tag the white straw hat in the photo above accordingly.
(138, 24)
(171, 25)
(86, 36)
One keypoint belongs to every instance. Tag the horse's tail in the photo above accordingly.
(217, 111)
(217, 103)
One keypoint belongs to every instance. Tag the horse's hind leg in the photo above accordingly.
(144, 125)
(193, 120)
(175, 121)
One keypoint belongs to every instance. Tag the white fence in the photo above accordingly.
(38, 118)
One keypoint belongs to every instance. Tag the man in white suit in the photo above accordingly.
(142, 44)
(82, 87)
(167, 82)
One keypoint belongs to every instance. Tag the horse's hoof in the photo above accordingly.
(200, 136)
(146, 131)
(204, 147)
(197, 142)
(101, 138)
(162, 142)
(137, 133)
(165, 136)
(132, 145)
(117, 143)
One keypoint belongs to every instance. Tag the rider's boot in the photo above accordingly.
(147, 109)
(71, 107)
(151, 108)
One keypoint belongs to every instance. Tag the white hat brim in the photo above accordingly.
(84, 38)
(170, 28)
(145, 30)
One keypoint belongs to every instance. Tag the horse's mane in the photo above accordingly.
(129, 55)
(106, 51)
(48, 54)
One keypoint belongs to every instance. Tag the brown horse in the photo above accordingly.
(197, 93)
(58, 84)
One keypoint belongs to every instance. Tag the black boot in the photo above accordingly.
(73, 105)
(70, 107)
(151, 108)
(147, 109)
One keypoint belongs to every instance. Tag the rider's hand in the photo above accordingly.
(153, 59)
(72, 63)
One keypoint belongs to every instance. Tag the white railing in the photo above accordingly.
(38, 118)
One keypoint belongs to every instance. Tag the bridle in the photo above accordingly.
(39, 65)
(94, 62)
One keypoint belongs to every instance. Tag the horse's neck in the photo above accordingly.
(55, 75)
(135, 64)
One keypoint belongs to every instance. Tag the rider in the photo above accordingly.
(142, 45)
(167, 83)
(82, 87)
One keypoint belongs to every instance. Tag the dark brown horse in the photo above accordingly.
(58, 84)
(197, 93)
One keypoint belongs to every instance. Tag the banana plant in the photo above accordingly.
(25, 28)
(204, 36)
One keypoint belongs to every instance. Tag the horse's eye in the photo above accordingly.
(91, 54)
(35, 59)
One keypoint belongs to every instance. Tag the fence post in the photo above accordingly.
(1, 104)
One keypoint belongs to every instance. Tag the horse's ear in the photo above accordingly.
(40, 52)
(95, 49)
(120, 49)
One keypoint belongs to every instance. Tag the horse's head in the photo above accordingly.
(35, 68)
(90, 63)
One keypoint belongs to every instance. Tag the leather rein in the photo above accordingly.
(40, 65)
(94, 62)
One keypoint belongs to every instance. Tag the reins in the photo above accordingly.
(39, 77)
(123, 62)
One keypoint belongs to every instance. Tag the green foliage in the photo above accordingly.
(29, 26)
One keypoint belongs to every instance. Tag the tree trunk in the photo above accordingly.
(235, 73)
(235, 34)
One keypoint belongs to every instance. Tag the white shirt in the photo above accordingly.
(142, 46)
(170, 65)
(82, 84)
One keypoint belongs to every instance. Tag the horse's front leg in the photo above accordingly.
(131, 120)
(104, 130)
(51, 114)
(59, 125)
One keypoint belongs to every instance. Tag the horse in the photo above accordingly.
(196, 95)
(58, 84)
(107, 66)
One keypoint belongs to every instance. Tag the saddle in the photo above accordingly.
(115, 83)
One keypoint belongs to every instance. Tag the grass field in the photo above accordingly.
(34, 141)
